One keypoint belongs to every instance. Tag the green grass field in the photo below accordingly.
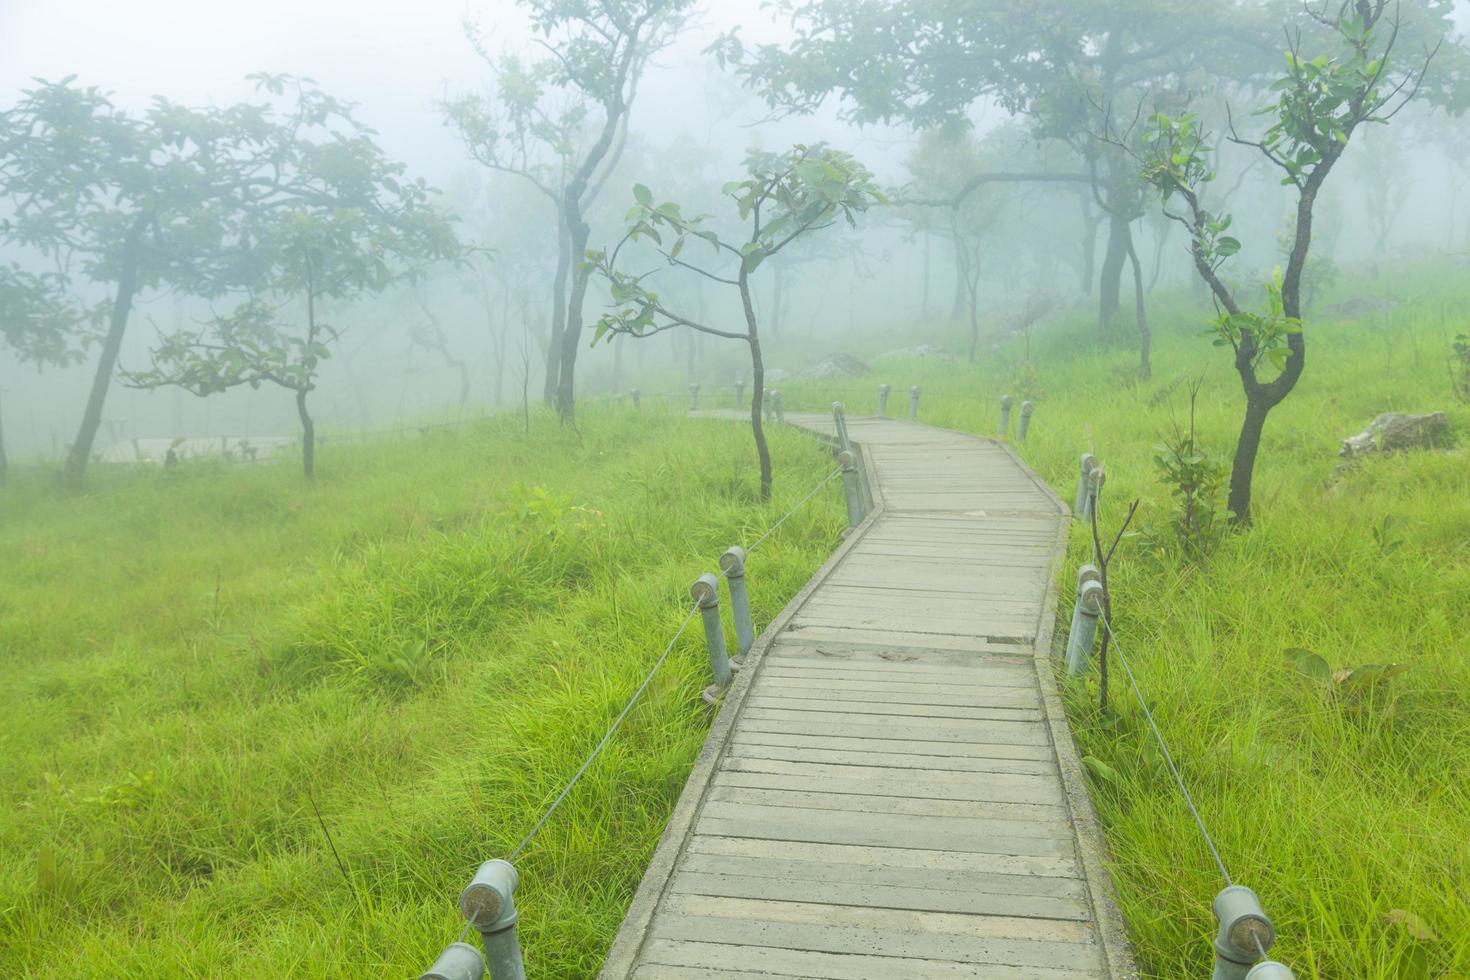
(422, 648)
(1350, 816)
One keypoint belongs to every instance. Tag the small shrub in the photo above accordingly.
(1460, 367)
(1195, 479)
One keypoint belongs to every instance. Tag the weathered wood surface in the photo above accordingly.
(891, 789)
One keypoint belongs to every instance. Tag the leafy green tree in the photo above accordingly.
(174, 198)
(597, 51)
(1320, 103)
(363, 230)
(1063, 65)
(40, 324)
(529, 129)
(784, 198)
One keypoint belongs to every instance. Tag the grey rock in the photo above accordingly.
(835, 366)
(1395, 431)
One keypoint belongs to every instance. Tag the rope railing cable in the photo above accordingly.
(795, 507)
(1168, 758)
(617, 722)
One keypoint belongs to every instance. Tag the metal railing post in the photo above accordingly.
(852, 487)
(839, 423)
(1084, 466)
(1026, 409)
(635, 394)
(459, 961)
(1244, 937)
(694, 398)
(1095, 479)
(1084, 630)
(1085, 573)
(1006, 401)
(776, 405)
(740, 393)
(488, 904)
(914, 403)
(706, 593)
(883, 400)
(732, 564)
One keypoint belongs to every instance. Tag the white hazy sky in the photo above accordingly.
(394, 57)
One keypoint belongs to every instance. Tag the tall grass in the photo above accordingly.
(420, 649)
(1349, 814)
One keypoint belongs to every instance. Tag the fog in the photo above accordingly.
(1400, 191)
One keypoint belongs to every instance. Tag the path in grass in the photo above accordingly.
(891, 789)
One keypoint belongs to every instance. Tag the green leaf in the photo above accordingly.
(1308, 663)
(1101, 771)
(643, 195)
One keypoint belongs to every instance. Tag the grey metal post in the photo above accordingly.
(694, 398)
(1026, 409)
(634, 395)
(732, 564)
(1006, 401)
(1084, 634)
(488, 904)
(1085, 573)
(852, 487)
(1095, 480)
(839, 423)
(776, 403)
(1244, 937)
(1085, 465)
(883, 399)
(459, 961)
(740, 393)
(914, 403)
(706, 593)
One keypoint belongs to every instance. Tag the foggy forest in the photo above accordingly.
(779, 488)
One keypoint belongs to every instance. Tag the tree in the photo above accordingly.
(783, 198)
(1061, 64)
(171, 198)
(1321, 102)
(597, 52)
(529, 129)
(350, 227)
(40, 324)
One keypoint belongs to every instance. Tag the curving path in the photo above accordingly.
(890, 789)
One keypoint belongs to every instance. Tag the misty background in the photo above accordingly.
(460, 341)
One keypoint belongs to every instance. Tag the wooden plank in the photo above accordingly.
(866, 882)
(775, 962)
(1038, 819)
(1019, 732)
(816, 937)
(860, 916)
(939, 755)
(966, 696)
(749, 748)
(893, 709)
(871, 856)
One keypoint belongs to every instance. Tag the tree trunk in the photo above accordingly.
(571, 337)
(4, 460)
(758, 379)
(1110, 284)
(1242, 469)
(308, 435)
(1141, 311)
(961, 273)
(1090, 221)
(558, 309)
(924, 300)
(122, 306)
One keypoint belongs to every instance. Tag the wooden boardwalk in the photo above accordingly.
(890, 789)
